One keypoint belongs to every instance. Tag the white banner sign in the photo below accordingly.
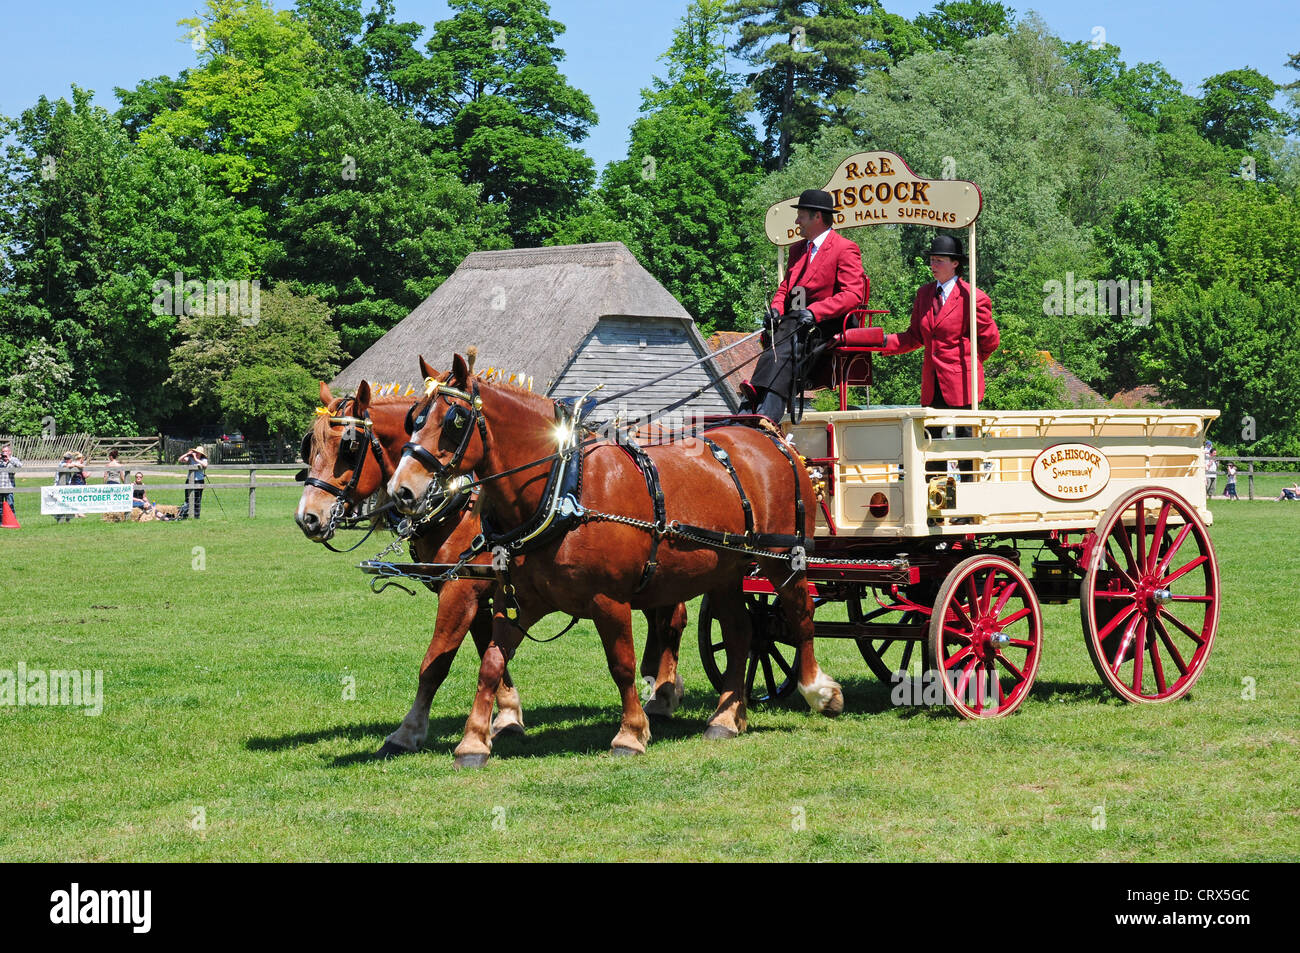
(69, 500)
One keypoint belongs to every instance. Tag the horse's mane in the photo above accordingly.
(386, 399)
(538, 402)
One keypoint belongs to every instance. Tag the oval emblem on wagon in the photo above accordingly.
(1071, 471)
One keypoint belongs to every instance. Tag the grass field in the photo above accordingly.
(227, 647)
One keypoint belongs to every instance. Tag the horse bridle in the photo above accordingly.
(458, 418)
(341, 493)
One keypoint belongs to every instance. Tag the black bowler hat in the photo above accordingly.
(948, 247)
(815, 200)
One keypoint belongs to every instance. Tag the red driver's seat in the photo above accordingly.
(847, 362)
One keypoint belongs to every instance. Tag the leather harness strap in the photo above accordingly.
(651, 474)
(725, 459)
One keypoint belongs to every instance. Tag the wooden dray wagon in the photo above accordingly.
(943, 532)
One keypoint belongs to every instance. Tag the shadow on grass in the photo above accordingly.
(1071, 692)
(552, 730)
(870, 696)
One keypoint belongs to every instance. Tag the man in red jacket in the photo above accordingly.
(941, 324)
(824, 282)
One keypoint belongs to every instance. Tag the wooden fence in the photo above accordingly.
(41, 449)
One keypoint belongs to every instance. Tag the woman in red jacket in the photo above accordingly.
(941, 324)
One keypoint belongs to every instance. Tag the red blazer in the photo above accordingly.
(946, 339)
(835, 282)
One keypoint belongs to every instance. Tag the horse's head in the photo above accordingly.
(342, 470)
(448, 436)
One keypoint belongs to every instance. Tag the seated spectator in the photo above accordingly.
(139, 500)
(1291, 492)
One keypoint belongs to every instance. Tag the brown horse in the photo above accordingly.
(353, 471)
(599, 569)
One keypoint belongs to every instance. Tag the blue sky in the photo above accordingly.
(611, 46)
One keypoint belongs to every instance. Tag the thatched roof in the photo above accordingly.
(527, 310)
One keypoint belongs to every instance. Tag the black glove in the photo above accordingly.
(770, 321)
(805, 317)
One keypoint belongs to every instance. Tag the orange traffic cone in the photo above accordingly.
(7, 519)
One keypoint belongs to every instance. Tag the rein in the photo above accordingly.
(687, 367)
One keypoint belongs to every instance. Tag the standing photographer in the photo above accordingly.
(198, 461)
(8, 464)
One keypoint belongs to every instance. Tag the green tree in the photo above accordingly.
(390, 50)
(1250, 239)
(953, 23)
(1144, 94)
(694, 175)
(98, 220)
(690, 167)
(1236, 106)
(492, 90)
(261, 372)
(245, 97)
(376, 219)
(149, 98)
(336, 26)
(1220, 347)
(809, 59)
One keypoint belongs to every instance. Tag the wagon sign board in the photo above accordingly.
(1071, 471)
(877, 188)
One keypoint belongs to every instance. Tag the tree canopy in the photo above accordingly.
(343, 163)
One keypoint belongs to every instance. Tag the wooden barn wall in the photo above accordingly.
(623, 352)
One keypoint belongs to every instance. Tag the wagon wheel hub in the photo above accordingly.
(1150, 596)
(986, 637)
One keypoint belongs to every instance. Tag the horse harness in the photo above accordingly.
(561, 510)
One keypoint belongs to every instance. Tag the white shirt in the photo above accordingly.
(816, 245)
(945, 289)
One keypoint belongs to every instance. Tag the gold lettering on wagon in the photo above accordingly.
(1072, 471)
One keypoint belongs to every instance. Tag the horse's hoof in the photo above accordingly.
(514, 729)
(719, 733)
(835, 707)
(390, 750)
(620, 751)
(469, 761)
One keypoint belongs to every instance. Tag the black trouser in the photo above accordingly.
(782, 368)
(967, 467)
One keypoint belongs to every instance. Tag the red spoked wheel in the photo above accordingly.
(986, 637)
(1150, 597)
